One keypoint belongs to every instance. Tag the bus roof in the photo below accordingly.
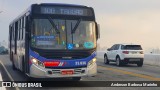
(43, 4)
(61, 4)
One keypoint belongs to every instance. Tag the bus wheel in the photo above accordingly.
(76, 78)
(13, 66)
(23, 66)
(28, 78)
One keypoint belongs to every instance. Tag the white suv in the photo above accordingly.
(124, 54)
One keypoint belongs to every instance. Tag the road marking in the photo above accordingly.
(7, 71)
(2, 88)
(8, 74)
(131, 73)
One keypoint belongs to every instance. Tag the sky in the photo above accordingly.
(121, 21)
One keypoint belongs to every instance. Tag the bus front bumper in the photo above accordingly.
(39, 72)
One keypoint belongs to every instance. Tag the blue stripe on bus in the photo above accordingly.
(68, 63)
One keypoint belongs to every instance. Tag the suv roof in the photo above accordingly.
(129, 44)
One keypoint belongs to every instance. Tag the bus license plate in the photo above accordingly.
(67, 72)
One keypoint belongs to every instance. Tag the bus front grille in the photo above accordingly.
(76, 71)
(68, 54)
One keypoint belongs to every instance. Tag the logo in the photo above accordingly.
(70, 46)
(61, 64)
(6, 84)
(20, 84)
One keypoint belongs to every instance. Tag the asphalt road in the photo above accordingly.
(105, 73)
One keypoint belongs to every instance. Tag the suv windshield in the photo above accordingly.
(44, 35)
(131, 47)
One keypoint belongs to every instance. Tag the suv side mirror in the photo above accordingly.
(108, 49)
(97, 30)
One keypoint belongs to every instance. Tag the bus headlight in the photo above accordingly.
(37, 62)
(92, 62)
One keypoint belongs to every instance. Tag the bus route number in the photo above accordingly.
(79, 63)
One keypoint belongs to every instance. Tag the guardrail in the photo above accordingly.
(151, 59)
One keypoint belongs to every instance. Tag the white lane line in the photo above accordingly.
(8, 74)
(1, 88)
(10, 77)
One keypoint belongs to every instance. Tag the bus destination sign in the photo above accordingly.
(65, 11)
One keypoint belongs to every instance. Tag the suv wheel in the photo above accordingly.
(118, 61)
(106, 61)
(140, 64)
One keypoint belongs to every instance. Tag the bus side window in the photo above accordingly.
(22, 22)
(13, 32)
(17, 30)
(16, 36)
(24, 27)
(10, 34)
(20, 29)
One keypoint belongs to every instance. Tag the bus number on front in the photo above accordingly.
(80, 63)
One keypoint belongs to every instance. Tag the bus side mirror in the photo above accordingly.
(97, 31)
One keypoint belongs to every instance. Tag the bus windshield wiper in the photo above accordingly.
(76, 26)
(53, 24)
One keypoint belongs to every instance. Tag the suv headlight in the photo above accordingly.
(37, 62)
(92, 62)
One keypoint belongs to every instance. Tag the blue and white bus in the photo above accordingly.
(54, 41)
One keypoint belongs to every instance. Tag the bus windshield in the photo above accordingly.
(44, 35)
